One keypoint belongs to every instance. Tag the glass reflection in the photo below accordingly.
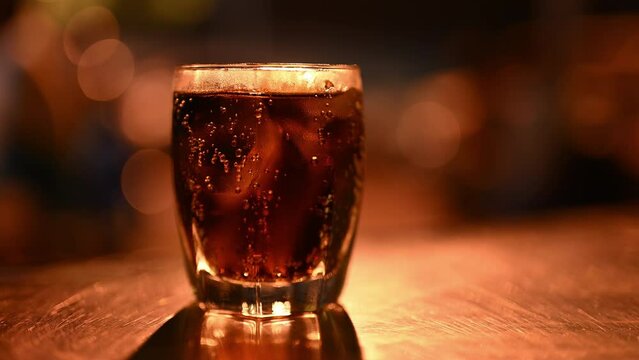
(197, 334)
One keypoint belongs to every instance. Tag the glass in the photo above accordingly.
(268, 166)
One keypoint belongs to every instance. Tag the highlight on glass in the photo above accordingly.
(268, 170)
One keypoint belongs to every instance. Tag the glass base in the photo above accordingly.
(268, 299)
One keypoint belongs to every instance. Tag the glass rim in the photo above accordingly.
(264, 78)
(295, 66)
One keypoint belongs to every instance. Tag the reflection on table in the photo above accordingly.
(194, 333)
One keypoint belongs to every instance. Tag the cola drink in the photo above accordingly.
(267, 185)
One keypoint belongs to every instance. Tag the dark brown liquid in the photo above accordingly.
(268, 185)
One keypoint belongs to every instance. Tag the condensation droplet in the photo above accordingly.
(238, 153)
(238, 190)
(314, 160)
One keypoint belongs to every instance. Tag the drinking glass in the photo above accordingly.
(268, 170)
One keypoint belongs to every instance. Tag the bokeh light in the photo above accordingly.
(146, 181)
(459, 91)
(87, 27)
(30, 35)
(428, 134)
(145, 109)
(497, 121)
(105, 70)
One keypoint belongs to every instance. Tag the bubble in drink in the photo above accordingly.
(274, 195)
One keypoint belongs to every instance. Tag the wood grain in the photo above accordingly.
(560, 287)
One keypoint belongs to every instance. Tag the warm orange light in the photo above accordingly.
(146, 181)
(30, 34)
(105, 70)
(457, 90)
(87, 27)
(428, 134)
(145, 111)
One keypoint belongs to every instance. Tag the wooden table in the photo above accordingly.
(564, 286)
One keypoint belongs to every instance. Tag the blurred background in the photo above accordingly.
(475, 110)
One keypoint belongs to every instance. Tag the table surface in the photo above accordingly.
(562, 286)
